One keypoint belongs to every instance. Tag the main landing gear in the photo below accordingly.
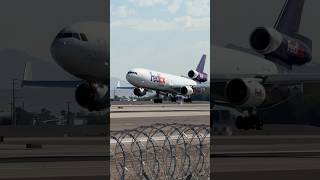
(252, 121)
(187, 100)
(173, 98)
(158, 99)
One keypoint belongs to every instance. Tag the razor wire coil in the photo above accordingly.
(161, 152)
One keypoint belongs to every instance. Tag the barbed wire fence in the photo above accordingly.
(161, 151)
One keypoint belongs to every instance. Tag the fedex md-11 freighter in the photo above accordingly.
(144, 80)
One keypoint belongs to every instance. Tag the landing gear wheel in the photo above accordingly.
(250, 122)
(157, 101)
(173, 99)
(187, 100)
(239, 122)
(258, 123)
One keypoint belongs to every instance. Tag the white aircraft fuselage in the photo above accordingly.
(229, 61)
(158, 81)
(82, 50)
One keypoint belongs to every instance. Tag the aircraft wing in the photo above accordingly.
(202, 85)
(27, 80)
(51, 83)
(123, 87)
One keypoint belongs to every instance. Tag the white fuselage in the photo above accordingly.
(83, 50)
(229, 61)
(148, 79)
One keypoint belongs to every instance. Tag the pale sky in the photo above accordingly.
(31, 25)
(164, 35)
(234, 20)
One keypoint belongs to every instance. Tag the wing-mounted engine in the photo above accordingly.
(197, 76)
(274, 45)
(139, 92)
(187, 90)
(93, 97)
(250, 93)
(245, 93)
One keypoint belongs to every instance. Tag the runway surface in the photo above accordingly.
(132, 116)
(63, 158)
(266, 157)
(235, 157)
(86, 158)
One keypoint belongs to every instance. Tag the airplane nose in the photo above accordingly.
(57, 49)
(128, 77)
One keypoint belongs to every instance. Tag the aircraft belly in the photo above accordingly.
(87, 69)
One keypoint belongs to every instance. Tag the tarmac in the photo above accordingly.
(263, 156)
(132, 116)
(85, 157)
(266, 157)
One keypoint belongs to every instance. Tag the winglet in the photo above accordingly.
(201, 64)
(27, 75)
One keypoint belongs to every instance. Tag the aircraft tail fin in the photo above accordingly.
(288, 21)
(200, 67)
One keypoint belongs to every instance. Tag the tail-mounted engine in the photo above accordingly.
(274, 45)
(198, 76)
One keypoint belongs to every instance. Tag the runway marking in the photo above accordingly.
(265, 164)
(158, 138)
(159, 114)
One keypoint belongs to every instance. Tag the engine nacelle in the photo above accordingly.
(139, 92)
(92, 97)
(295, 50)
(193, 74)
(197, 76)
(187, 90)
(245, 93)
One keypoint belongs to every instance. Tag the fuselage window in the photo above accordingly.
(67, 35)
(131, 72)
(83, 37)
(76, 35)
(59, 36)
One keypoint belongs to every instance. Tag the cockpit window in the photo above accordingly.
(78, 36)
(67, 35)
(132, 72)
(83, 37)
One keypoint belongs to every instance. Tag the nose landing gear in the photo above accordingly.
(252, 121)
(187, 100)
(158, 99)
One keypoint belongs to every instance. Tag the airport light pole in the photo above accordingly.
(68, 113)
(13, 103)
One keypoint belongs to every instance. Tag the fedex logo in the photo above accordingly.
(157, 78)
(258, 92)
(294, 48)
